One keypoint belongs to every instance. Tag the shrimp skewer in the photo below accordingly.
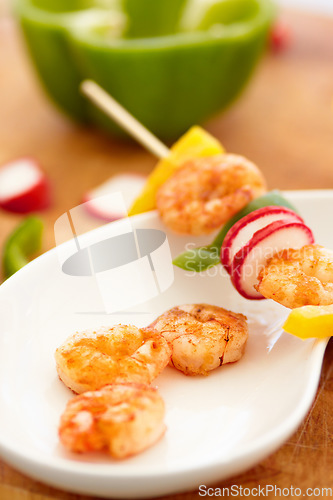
(121, 419)
(205, 193)
(203, 337)
(91, 359)
(296, 278)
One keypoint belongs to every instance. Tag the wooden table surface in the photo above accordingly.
(283, 122)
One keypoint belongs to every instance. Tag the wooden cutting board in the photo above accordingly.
(283, 122)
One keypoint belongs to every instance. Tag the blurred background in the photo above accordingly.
(320, 6)
(282, 121)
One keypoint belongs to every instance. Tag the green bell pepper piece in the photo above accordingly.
(202, 258)
(45, 28)
(25, 241)
(169, 67)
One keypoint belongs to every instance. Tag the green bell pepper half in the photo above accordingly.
(25, 241)
(202, 258)
(168, 62)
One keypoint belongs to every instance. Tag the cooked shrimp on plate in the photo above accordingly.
(121, 419)
(296, 278)
(91, 359)
(202, 336)
(205, 193)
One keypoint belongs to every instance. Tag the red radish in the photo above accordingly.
(251, 259)
(241, 232)
(100, 205)
(24, 187)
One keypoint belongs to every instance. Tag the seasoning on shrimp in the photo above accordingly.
(296, 278)
(205, 193)
(122, 419)
(91, 359)
(202, 336)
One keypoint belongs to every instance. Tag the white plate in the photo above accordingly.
(218, 425)
(316, 6)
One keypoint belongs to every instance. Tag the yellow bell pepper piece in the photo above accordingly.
(310, 321)
(196, 143)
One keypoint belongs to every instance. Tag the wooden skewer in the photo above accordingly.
(123, 118)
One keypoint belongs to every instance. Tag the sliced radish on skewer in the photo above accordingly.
(24, 187)
(105, 207)
(241, 232)
(251, 259)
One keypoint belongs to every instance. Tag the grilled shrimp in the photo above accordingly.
(91, 359)
(202, 336)
(122, 419)
(205, 193)
(296, 278)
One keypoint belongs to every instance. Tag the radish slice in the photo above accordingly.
(252, 258)
(23, 187)
(241, 232)
(99, 204)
